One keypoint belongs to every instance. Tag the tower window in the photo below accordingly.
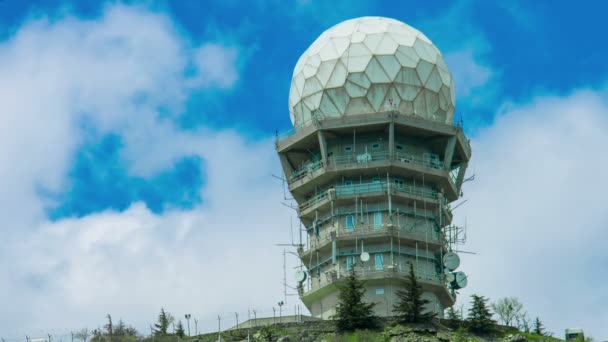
(375, 146)
(399, 183)
(350, 223)
(377, 219)
(398, 147)
(348, 148)
(379, 262)
(380, 291)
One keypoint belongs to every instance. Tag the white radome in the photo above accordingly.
(367, 65)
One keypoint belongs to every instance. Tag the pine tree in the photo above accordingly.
(539, 329)
(453, 317)
(410, 305)
(480, 318)
(352, 313)
(163, 323)
(180, 329)
(109, 327)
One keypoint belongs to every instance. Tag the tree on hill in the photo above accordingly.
(180, 329)
(480, 318)
(539, 328)
(410, 305)
(454, 318)
(523, 322)
(163, 323)
(352, 313)
(507, 309)
(109, 327)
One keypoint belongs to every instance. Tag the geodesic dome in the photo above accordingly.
(367, 65)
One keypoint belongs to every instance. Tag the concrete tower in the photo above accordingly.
(374, 162)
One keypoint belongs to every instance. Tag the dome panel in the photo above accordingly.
(407, 56)
(311, 86)
(338, 76)
(339, 97)
(357, 63)
(327, 106)
(390, 65)
(359, 105)
(377, 94)
(387, 46)
(424, 69)
(325, 71)
(355, 90)
(313, 100)
(360, 79)
(372, 40)
(434, 82)
(375, 73)
(371, 64)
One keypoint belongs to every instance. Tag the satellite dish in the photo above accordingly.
(460, 280)
(364, 256)
(451, 261)
(300, 276)
(449, 277)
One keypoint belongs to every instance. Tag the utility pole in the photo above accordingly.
(255, 319)
(187, 316)
(196, 327)
(237, 320)
(50, 337)
(71, 333)
(274, 315)
(219, 328)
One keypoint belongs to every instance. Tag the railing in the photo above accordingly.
(313, 201)
(366, 188)
(364, 230)
(317, 118)
(305, 169)
(370, 272)
(427, 160)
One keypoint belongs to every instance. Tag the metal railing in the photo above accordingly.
(427, 160)
(367, 188)
(366, 230)
(370, 272)
(304, 170)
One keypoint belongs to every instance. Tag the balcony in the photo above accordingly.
(300, 182)
(373, 188)
(369, 232)
(321, 285)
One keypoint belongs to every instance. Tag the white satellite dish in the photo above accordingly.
(364, 256)
(460, 280)
(300, 276)
(449, 277)
(451, 261)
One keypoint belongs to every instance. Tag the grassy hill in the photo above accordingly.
(324, 331)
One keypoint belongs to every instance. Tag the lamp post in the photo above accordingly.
(281, 303)
(187, 316)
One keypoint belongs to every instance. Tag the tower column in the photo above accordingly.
(449, 152)
(391, 140)
(323, 147)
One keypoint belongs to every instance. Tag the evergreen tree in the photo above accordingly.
(180, 329)
(109, 327)
(539, 328)
(120, 329)
(163, 323)
(410, 305)
(453, 317)
(480, 318)
(352, 313)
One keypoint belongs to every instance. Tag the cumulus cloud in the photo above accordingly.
(469, 74)
(537, 213)
(128, 73)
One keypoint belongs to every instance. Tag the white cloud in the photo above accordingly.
(115, 74)
(537, 211)
(469, 74)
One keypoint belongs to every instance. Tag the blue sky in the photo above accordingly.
(127, 114)
(519, 50)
